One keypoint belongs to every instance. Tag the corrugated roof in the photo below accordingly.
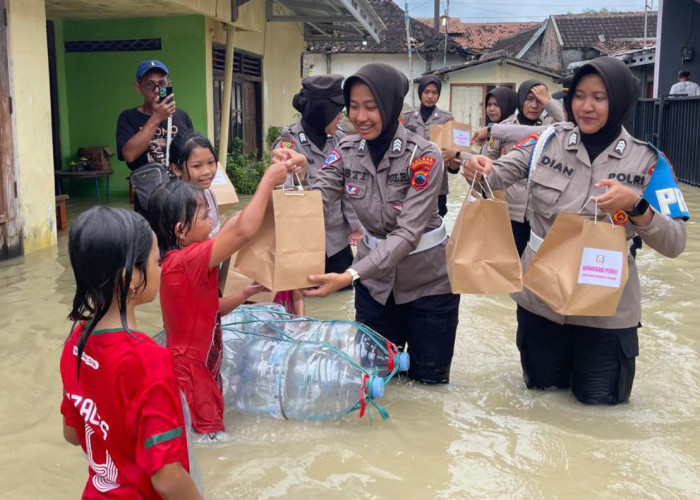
(393, 39)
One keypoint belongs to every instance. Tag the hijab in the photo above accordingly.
(523, 90)
(389, 87)
(319, 102)
(507, 100)
(426, 111)
(623, 92)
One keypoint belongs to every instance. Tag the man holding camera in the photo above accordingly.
(142, 132)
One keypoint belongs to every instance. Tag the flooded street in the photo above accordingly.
(482, 436)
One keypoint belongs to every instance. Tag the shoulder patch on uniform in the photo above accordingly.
(620, 146)
(421, 167)
(528, 141)
(286, 142)
(333, 157)
(302, 138)
(620, 218)
(396, 145)
(573, 139)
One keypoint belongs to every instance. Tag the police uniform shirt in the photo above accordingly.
(413, 121)
(397, 202)
(340, 219)
(564, 180)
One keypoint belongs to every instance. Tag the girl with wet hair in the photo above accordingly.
(189, 291)
(121, 402)
(193, 159)
(592, 161)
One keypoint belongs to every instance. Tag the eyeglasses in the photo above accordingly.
(149, 85)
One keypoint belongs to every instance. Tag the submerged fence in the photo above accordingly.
(673, 125)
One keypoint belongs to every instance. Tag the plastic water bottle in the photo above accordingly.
(365, 346)
(293, 380)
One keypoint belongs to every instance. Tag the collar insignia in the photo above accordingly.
(620, 147)
(396, 145)
(573, 139)
(363, 143)
(302, 138)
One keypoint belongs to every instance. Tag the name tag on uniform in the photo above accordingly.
(600, 267)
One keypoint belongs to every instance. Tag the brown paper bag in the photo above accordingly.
(290, 245)
(581, 267)
(451, 134)
(222, 187)
(235, 282)
(481, 253)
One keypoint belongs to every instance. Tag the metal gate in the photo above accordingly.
(672, 124)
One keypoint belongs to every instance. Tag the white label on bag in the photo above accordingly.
(219, 179)
(600, 267)
(461, 137)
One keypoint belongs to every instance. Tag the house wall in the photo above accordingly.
(347, 64)
(98, 86)
(281, 45)
(680, 24)
(491, 73)
(29, 83)
(550, 53)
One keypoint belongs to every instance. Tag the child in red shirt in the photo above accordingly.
(121, 402)
(189, 295)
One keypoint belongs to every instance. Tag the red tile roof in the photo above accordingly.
(480, 36)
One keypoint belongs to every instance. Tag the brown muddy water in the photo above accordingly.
(483, 436)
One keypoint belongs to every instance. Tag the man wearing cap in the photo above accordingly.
(142, 131)
(316, 136)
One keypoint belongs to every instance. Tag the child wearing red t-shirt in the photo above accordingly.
(121, 401)
(189, 295)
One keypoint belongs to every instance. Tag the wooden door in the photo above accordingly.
(10, 217)
(467, 104)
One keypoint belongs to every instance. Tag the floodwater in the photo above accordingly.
(482, 436)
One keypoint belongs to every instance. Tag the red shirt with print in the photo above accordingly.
(189, 299)
(126, 410)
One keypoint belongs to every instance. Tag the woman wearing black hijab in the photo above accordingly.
(419, 121)
(320, 102)
(591, 161)
(392, 178)
(531, 98)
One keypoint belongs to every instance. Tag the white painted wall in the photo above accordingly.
(347, 64)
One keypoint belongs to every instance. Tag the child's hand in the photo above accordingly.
(253, 289)
(296, 162)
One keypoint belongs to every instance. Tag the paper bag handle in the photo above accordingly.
(297, 189)
(471, 186)
(595, 212)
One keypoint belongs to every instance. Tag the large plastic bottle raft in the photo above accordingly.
(365, 346)
(295, 380)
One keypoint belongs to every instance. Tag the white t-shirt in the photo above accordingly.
(687, 88)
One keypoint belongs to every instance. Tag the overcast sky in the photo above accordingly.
(516, 10)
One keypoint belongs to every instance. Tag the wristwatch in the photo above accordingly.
(640, 207)
(354, 274)
(488, 128)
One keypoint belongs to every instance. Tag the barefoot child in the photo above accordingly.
(121, 401)
(189, 290)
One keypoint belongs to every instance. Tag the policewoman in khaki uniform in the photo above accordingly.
(595, 159)
(419, 121)
(533, 99)
(392, 178)
(320, 102)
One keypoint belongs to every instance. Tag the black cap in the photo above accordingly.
(565, 84)
(323, 87)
